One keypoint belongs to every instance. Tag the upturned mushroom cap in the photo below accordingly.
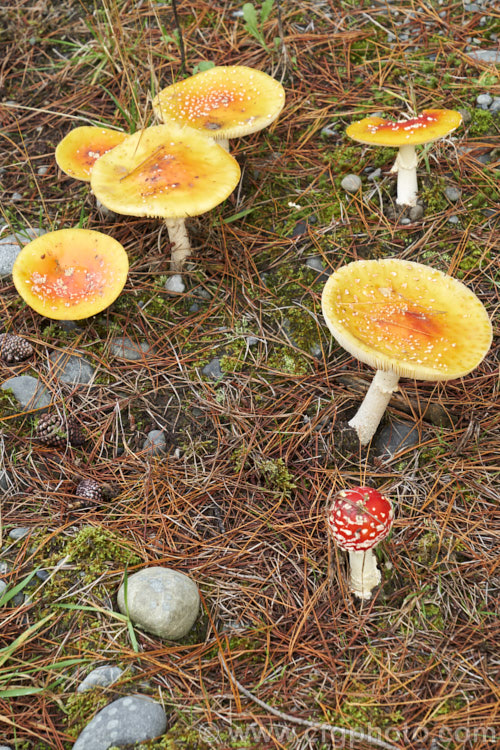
(78, 151)
(165, 171)
(427, 127)
(224, 102)
(404, 317)
(71, 273)
(360, 518)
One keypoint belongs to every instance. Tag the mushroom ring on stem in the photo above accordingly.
(166, 171)
(227, 101)
(404, 319)
(431, 125)
(358, 520)
(70, 274)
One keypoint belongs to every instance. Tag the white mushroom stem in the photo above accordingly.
(224, 142)
(367, 418)
(181, 247)
(365, 575)
(406, 168)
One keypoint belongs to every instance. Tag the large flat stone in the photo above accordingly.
(29, 391)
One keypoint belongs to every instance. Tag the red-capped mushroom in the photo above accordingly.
(358, 520)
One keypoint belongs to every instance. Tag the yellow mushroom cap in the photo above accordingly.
(427, 127)
(78, 151)
(224, 101)
(166, 170)
(404, 317)
(71, 273)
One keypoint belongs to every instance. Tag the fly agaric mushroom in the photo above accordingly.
(70, 274)
(431, 125)
(78, 151)
(226, 101)
(166, 171)
(358, 520)
(404, 319)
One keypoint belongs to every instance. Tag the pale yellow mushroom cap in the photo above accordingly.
(400, 316)
(427, 127)
(78, 151)
(165, 171)
(70, 274)
(223, 102)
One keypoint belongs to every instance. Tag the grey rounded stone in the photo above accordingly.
(19, 533)
(213, 369)
(125, 348)
(395, 437)
(5, 747)
(375, 174)
(453, 220)
(71, 368)
(135, 718)
(453, 194)
(351, 183)
(416, 212)
(175, 284)
(495, 106)
(161, 601)
(5, 479)
(100, 677)
(485, 55)
(3, 587)
(484, 100)
(155, 443)
(10, 247)
(315, 263)
(29, 391)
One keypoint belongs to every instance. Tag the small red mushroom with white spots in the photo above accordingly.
(358, 520)
(429, 126)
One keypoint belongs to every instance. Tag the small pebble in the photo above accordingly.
(155, 443)
(125, 348)
(395, 437)
(19, 533)
(175, 284)
(495, 107)
(453, 219)
(315, 263)
(485, 55)
(29, 391)
(329, 130)
(351, 183)
(416, 212)
(483, 101)
(375, 174)
(16, 197)
(453, 194)
(405, 221)
(42, 170)
(100, 677)
(213, 369)
(71, 368)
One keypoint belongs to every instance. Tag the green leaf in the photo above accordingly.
(265, 11)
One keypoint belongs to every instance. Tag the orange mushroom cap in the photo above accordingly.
(70, 274)
(408, 318)
(427, 127)
(165, 171)
(78, 151)
(224, 101)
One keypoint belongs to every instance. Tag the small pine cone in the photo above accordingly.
(89, 489)
(14, 348)
(54, 430)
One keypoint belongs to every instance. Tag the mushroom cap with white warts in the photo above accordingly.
(79, 150)
(165, 171)
(226, 101)
(70, 274)
(429, 126)
(407, 318)
(360, 518)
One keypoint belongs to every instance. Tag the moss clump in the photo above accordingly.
(474, 258)
(286, 360)
(276, 476)
(433, 196)
(482, 123)
(95, 549)
(81, 707)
